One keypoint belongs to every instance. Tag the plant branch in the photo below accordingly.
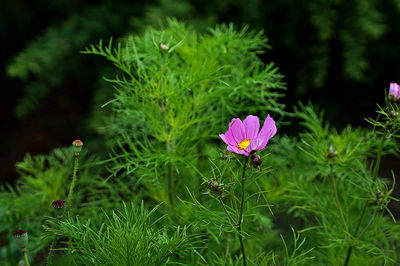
(71, 188)
(337, 200)
(239, 222)
(51, 251)
(227, 213)
(234, 198)
(369, 224)
(25, 257)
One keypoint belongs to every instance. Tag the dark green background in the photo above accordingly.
(340, 55)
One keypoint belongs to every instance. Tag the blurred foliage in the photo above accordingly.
(320, 44)
(52, 59)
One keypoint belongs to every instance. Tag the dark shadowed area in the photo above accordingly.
(340, 56)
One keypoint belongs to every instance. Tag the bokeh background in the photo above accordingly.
(339, 54)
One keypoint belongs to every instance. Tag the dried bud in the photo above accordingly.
(331, 152)
(216, 187)
(21, 238)
(378, 195)
(164, 47)
(77, 144)
(256, 160)
(58, 204)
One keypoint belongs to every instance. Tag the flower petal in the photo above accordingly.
(394, 91)
(233, 141)
(252, 126)
(397, 91)
(229, 138)
(237, 150)
(224, 138)
(253, 145)
(268, 131)
(237, 128)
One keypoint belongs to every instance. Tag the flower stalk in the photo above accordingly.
(168, 142)
(25, 257)
(58, 205)
(240, 218)
(170, 183)
(51, 251)
(227, 213)
(71, 188)
(22, 239)
(339, 206)
(233, 198)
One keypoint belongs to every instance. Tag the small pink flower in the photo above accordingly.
(394, 91)
(243, 137)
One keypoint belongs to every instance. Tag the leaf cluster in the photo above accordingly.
(129, 236)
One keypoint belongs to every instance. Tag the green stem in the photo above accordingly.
(242, 245)
(350, 249)
(337, 200)
(26, 258)
(374, 175)
(51, 250)
(369, 224)
(169, 146)
(227, 213)
(170, 184)
(378, 158)
(239, 222)
(170, 170)
(234, 198)
(71, 188)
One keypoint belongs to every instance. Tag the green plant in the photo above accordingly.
(129, 236)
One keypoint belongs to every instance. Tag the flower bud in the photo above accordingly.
(331, 152)
(256, 160)
(77, 144)
(394, 91)
(21, 238)
(58, 204)
(216, 187)
(378, 195)
(394, 114)
(164, 47)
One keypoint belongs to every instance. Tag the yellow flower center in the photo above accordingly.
(243, 144)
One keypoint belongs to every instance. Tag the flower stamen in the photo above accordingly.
(243, 144)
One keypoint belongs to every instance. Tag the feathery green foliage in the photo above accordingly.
(129, 236)
(171, 103)
(309, 193)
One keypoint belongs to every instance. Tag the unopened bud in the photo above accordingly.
(394, 114)
(378, 195)
(21, 238)
(256, 160)
(58, 204)
(77, 144)
(216, 187)
(394, 92)
(164, 47)
(331, 152)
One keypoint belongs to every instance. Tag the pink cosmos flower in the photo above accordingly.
(243, 137)
(394, 91)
